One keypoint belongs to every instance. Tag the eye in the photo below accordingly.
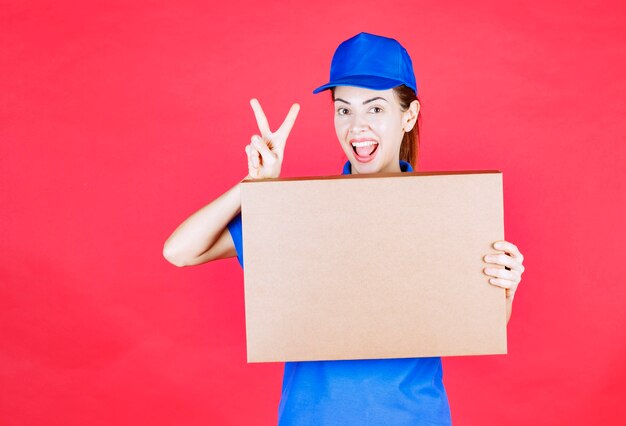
(378, 108)
(342, 111)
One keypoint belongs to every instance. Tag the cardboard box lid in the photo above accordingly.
(372, 266)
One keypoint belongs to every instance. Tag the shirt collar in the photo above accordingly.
(404, 166)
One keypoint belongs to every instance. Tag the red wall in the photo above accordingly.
(119, 119)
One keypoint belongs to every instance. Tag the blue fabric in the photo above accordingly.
(371, 61)
(404, 166)
(399, 391)
(235, 229)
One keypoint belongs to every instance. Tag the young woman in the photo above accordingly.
(376, 120)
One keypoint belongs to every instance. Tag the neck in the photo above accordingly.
(391, 168)
(394, 167)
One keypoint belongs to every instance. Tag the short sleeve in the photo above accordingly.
(235, 229)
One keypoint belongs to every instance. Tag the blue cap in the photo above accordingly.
(370, 61)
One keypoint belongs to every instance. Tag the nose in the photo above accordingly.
(359, 123)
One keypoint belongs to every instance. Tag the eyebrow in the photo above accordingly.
(364, 102)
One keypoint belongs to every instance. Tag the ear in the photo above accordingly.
(409, 117)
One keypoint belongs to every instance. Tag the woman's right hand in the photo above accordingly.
(266, 151)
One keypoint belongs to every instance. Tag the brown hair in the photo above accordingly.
(409, 149)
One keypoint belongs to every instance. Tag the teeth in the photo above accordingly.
(366, 143)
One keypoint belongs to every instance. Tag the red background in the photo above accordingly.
(119, 119)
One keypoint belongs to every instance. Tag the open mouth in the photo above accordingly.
(365, 151)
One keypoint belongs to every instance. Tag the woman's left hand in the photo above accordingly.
(511, 259)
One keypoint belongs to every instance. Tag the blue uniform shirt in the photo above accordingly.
(398, 391)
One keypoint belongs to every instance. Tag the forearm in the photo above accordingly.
(202, 229)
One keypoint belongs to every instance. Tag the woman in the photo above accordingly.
(376, 115)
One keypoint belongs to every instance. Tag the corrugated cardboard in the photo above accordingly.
(372, 266)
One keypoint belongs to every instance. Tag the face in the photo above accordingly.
(370, 125)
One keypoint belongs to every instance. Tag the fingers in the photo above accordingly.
(261, 120)
(265, 152)
(511, 259)
(509, 248)
(254, 157)
(503, 278)
(261, 160)
(509, 286)
(502, 273)
(502, 283)
(267, 156)
(506, 261)
(287, 125)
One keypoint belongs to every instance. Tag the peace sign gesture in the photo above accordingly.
(266, 152)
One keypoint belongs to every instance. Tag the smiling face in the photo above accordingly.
(370, 125)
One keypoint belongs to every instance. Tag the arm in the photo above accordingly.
(204, 235)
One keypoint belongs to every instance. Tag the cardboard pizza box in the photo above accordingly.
(372, 266)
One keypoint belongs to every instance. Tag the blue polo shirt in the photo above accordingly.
(398, 391)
